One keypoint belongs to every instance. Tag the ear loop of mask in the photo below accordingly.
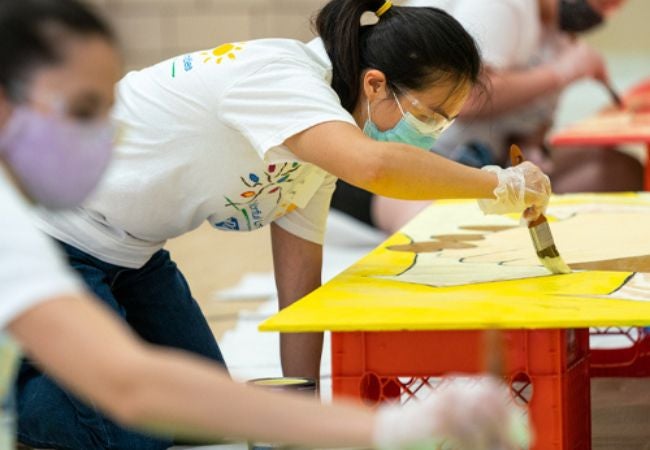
(401, 110)
(368, 107)
(399, 105)
(422, 127)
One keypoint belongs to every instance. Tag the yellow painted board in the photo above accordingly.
(356, 300)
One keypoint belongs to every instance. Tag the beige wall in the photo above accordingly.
(152, 30)
(627, 31)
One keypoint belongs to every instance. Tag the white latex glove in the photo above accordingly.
(457, 416)
(523, 188)
(578, 61)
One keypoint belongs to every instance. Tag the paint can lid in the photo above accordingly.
(286, 383)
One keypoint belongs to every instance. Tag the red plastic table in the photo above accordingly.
(614, 127)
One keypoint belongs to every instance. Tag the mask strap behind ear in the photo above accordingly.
(399, 105)
(368, 107)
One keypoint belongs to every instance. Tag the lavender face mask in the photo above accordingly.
(58, 162)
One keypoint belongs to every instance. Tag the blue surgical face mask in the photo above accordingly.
(409, 130)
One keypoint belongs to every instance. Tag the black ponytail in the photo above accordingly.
(32, 31)
(413, 47)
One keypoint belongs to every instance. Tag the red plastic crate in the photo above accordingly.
(548, 371)
(630, 361)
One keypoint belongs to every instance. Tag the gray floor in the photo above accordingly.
(620, 413)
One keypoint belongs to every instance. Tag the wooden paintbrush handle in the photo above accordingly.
(616, 99)
(516, 155)
(516, 158)
(541, 219)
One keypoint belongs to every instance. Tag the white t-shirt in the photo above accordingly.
(203, 140)
(32, 269)
(511, 36)
(508, 32)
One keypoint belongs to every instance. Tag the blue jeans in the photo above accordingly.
(156, 302)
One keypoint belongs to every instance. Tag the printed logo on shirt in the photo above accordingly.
(256, 215)
(216, 55)
(188, 64)
(271, 183)
(221, 53)
(230, 224)
(251, 213)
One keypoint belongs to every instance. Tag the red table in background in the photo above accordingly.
(614, 127)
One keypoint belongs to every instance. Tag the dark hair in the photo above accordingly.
(32, 31)
(414, 47)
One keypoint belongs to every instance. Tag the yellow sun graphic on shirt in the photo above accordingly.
(221, 52)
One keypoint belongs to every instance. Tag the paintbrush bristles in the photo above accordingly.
(545, 247)
(555, 265)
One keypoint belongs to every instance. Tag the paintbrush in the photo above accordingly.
(616, 99)
(540, 232)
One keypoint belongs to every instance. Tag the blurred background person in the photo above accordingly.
(532, 51)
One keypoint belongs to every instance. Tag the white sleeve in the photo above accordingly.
(279, 100)
(31, 268)
(309, 222)
(496, 27)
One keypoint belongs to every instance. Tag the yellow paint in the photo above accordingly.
(356, 300)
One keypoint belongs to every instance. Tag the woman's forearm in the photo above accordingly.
(386, 168)
(507, 90)
(298, 265)
(405, 172)
(201, 402)
(96, 356)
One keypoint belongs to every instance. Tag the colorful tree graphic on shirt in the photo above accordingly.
(272, 182)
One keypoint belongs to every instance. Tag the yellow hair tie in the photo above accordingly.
(385, 7)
